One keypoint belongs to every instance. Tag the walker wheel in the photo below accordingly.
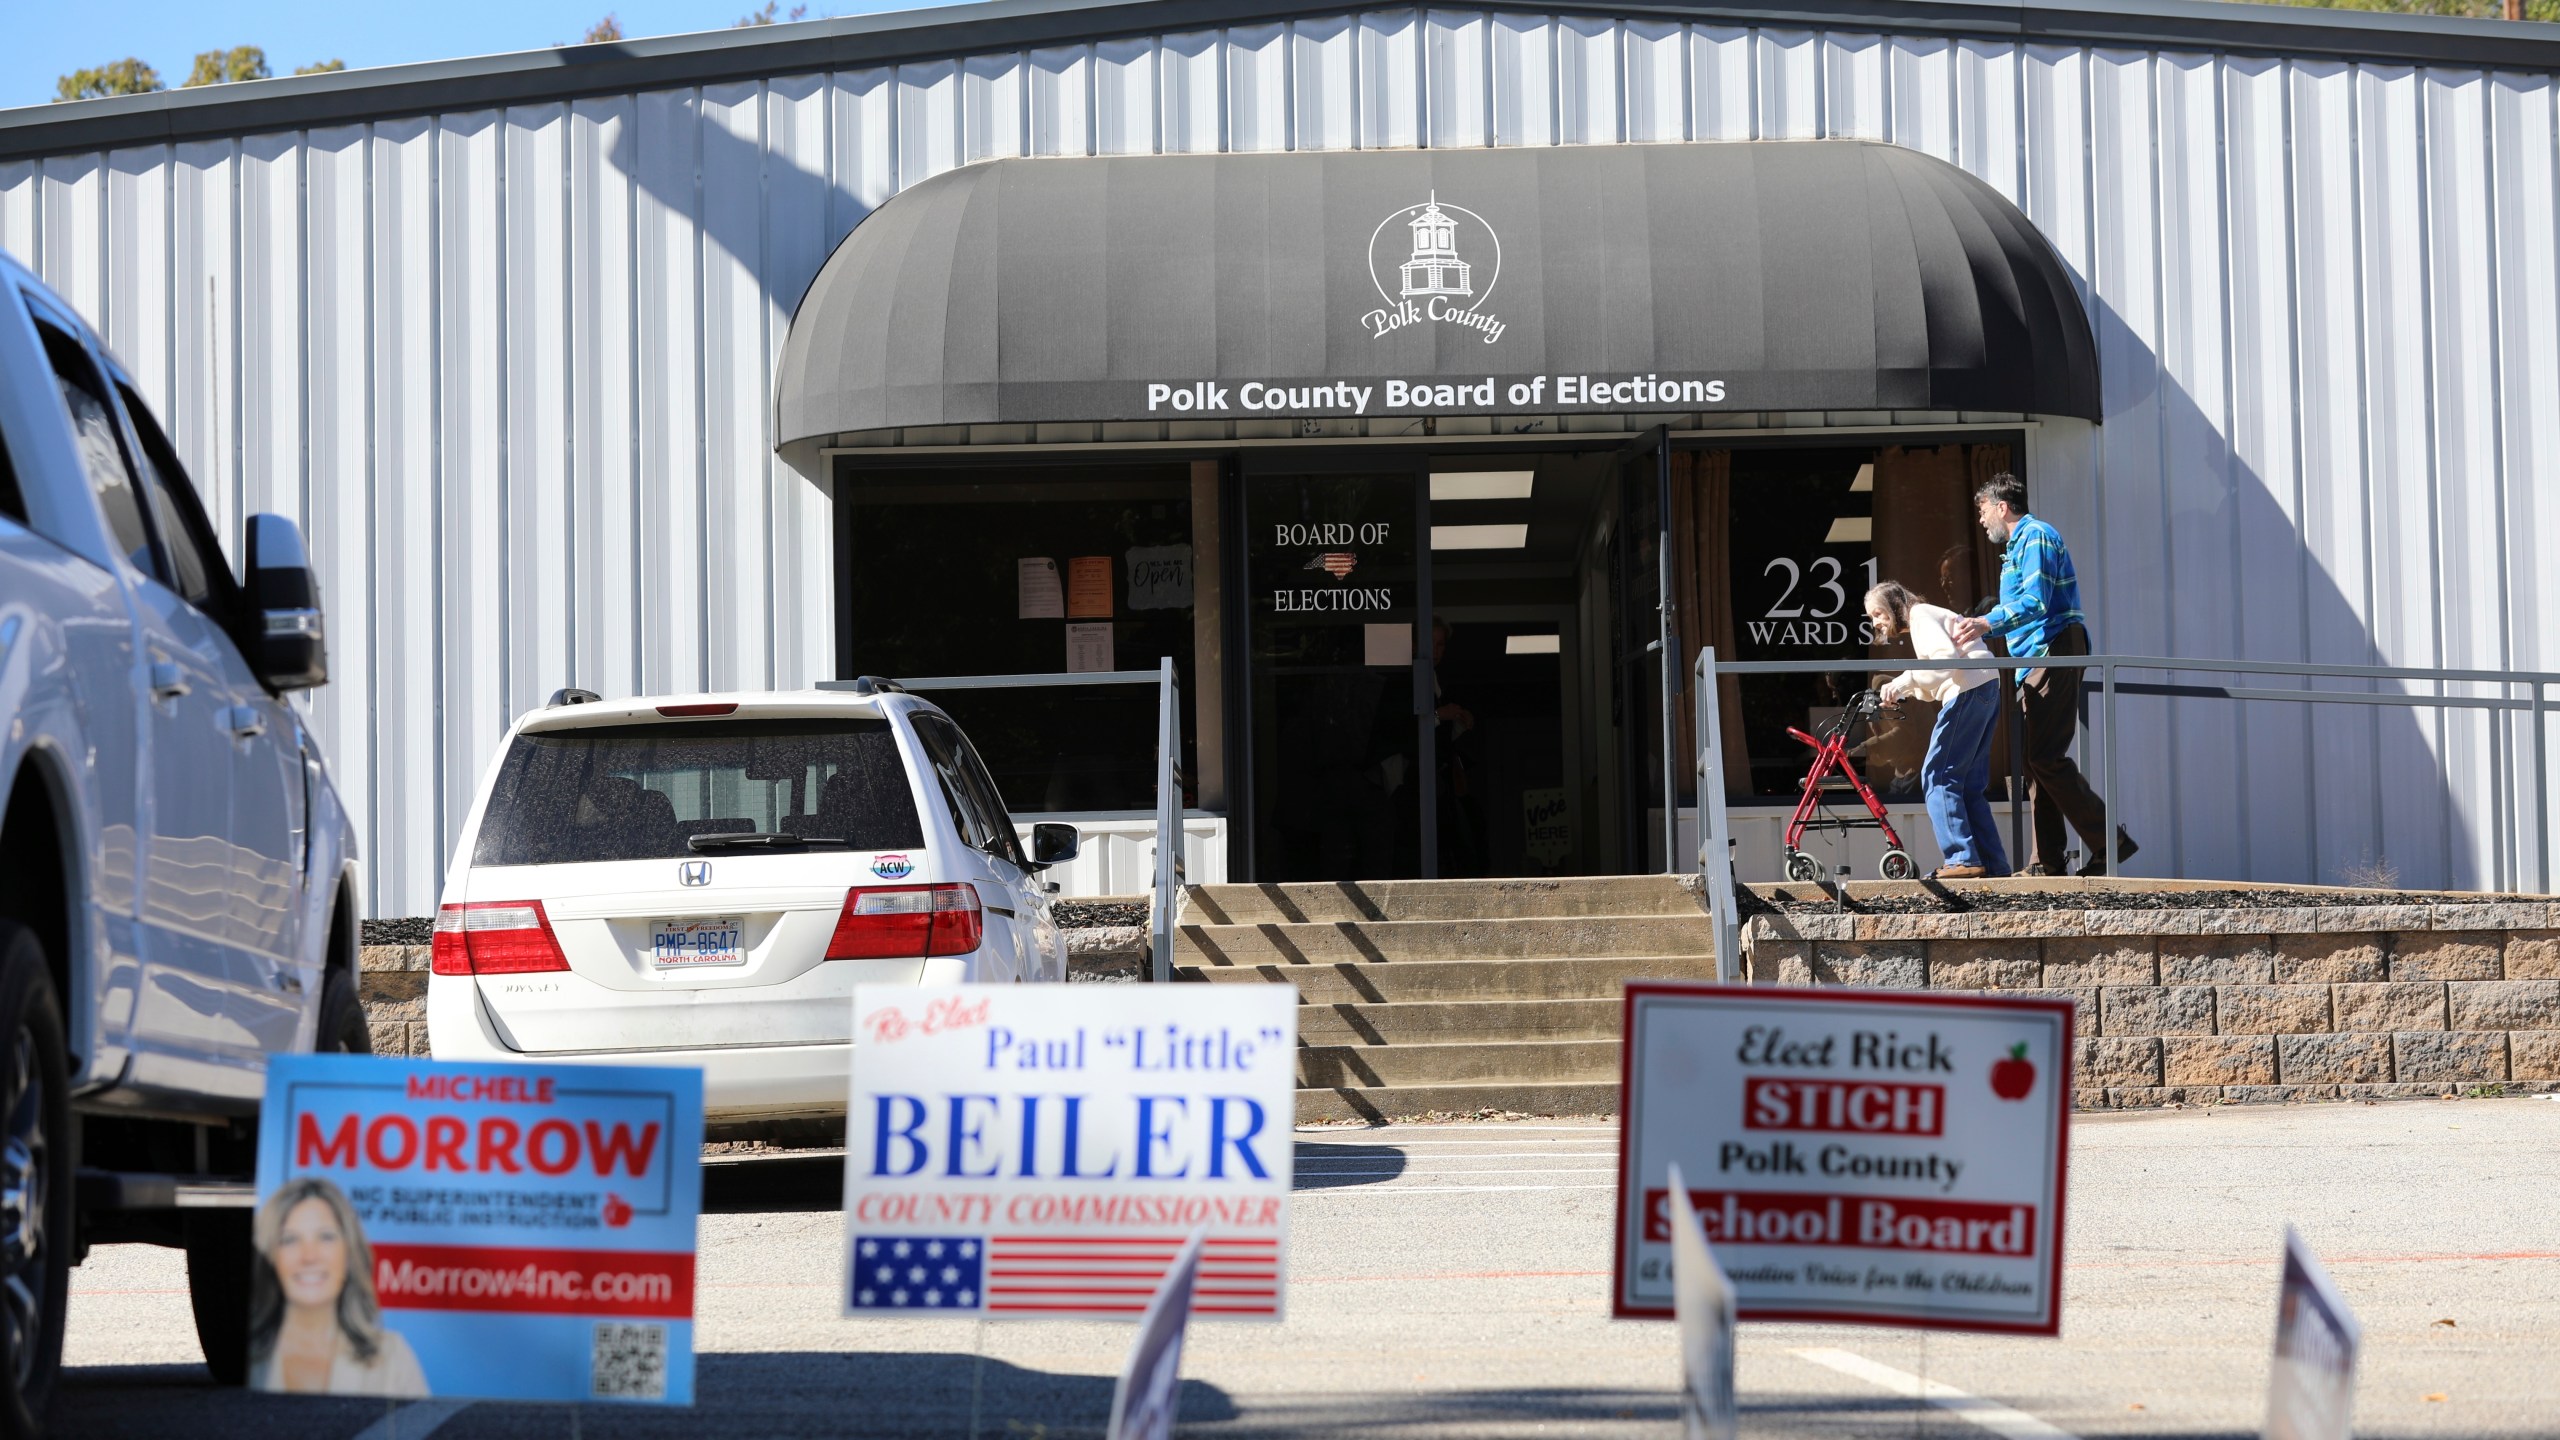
(1896, 865)
(1801, 866)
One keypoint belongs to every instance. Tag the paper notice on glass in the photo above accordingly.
(1037, 594)
(1386, 644)
(1546, 826)
(1160, 577)
(1089, 587)
(1089, 647)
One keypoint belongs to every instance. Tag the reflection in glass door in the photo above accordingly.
(1333, 596)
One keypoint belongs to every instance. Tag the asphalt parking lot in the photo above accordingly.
(1450, 1281)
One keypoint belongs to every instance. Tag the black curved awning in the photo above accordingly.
(1770, 275)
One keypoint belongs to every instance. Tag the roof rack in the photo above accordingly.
(571, 695)
(865, 685)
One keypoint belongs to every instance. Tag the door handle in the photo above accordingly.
(168, 682)
(245, 722)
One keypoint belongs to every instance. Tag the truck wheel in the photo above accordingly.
(342, 1027)
(219, 1257)
(221, 1254)
(35, 1183)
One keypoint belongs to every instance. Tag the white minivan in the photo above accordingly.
(703, 879)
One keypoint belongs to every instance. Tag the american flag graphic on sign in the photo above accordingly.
(1059, 1276)
(1336, 563)
(918, 1272)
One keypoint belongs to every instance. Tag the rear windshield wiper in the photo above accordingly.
(760, 840)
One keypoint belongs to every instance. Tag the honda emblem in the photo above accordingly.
(694, 872)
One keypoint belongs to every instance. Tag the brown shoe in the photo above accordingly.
(1958, 872)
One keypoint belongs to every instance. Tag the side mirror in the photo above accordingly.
(288, 644)
(1052, 844)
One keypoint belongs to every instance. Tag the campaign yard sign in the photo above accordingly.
(1148, 1398)
(508, 1232)
(1856, 1156)
(1703, 1300)
(1043, 1151)
(2311, 1389)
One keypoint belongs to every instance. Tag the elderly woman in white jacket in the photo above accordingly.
(1958, 766)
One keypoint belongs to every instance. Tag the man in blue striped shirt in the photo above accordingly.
(2039, 614)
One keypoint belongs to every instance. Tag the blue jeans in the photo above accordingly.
(1956, 770)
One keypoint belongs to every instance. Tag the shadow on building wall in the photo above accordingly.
(2193, 552)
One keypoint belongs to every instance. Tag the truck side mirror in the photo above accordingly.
(289, 644)
(1052, 844)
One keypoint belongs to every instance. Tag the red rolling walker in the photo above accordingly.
(1833, 773)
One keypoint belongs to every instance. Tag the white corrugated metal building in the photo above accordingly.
(505, 335)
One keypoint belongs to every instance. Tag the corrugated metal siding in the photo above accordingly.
(512, 368)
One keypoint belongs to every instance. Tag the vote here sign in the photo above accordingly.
(1856, 1156)
(516, 1232)
(1043, 1151)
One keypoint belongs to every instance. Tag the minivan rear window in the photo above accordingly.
(643, 792)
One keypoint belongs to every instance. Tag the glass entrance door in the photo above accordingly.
(1332, 594)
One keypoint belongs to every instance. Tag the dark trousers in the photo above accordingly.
(2055, 785)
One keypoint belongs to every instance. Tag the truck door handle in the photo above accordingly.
(245, 722)
(168, 682)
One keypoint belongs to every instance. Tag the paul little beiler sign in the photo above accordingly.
(1038, 1152)
(1856, 1156)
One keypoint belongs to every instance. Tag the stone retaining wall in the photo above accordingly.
(394, 992)
(2205, 1006)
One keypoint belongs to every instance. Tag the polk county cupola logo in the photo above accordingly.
(1439, 281)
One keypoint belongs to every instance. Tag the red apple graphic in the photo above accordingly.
(2012, 1078)
(617, 1211)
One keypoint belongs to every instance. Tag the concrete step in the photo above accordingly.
(1543, 1062)
(1428, 1022)
(1440, 900)
(1371, 1103)
(1393, 940)
(1350, 983)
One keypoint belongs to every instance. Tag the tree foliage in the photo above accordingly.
(320, 67)
(123, 77)
(603, 31)
(224, 67)
(2547, 10)
(768, 15)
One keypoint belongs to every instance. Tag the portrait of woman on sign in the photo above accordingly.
(315, 1325)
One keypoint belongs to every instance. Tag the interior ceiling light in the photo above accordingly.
(1847, 530)
(1533, 645)
(1866, 480)
(1482, 485)
(1479, 537)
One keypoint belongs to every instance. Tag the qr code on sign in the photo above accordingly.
(630, 1362)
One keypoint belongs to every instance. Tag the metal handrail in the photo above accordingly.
(1169, 870)
(1715, 831)
(1009, 682)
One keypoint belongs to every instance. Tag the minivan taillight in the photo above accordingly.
(896, 922)
(495, 937)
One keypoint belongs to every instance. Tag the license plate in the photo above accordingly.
(682, 944)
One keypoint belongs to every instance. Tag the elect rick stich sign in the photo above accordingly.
(1863, 1157)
